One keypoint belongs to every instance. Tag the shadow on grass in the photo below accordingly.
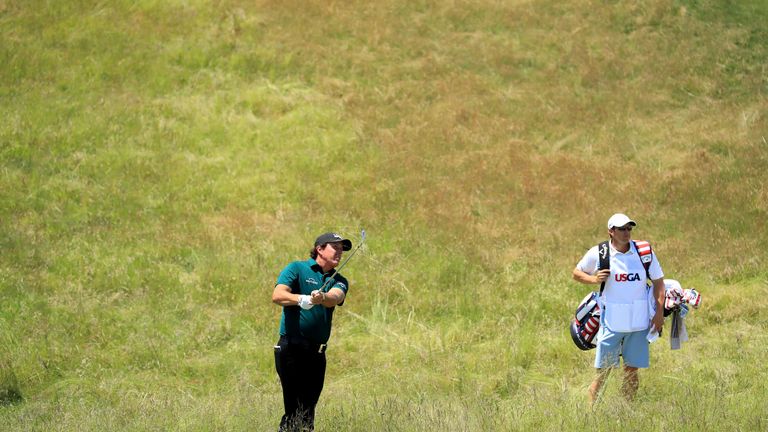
(10, 396)
(10, 393)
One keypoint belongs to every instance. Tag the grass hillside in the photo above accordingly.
(161, 161)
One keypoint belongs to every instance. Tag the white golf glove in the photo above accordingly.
(305, 302)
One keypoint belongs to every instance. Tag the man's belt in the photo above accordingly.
(304, 343)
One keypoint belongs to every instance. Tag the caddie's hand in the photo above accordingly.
(317, 297)
(602, 275)
(305, 302)
(658, 321)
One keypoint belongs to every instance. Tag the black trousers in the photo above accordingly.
(301, 369)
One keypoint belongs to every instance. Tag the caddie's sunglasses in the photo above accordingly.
(624, 228)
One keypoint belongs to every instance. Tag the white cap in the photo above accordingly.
(619, 220)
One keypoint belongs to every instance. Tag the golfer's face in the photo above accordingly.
(331, 253)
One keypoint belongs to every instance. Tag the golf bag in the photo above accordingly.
(586, 322)
(679, 299)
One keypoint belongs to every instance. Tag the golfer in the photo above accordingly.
(627, 304)
(308, 291)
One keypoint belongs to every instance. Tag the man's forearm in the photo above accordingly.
(283, 296)
(659, 294)
(332, 298)
(585, 278)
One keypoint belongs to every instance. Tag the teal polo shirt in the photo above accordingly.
(314, 324)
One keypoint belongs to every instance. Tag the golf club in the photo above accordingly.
(337, 269)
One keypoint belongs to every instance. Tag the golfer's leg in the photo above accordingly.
(313, 380)
(318, 381)
(285, 363)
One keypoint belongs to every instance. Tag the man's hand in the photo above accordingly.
(586, 278)
(317, 297)
(305, 302)
(658, 321)
(602, 276)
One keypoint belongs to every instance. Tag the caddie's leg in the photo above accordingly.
(597, 384)
(631, 382)
(606, 358)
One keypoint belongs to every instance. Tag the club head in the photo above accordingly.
(362, 236)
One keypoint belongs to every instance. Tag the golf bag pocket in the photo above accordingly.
(627, 317)
(586, 322)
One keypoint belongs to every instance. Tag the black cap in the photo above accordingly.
(330, 237)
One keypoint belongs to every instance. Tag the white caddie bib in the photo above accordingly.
(625, 298)
(627, 317)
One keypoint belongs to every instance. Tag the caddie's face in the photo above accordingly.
(331, 253)
(622, 234)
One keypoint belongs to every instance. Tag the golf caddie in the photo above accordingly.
(632, 312)
(308, 291)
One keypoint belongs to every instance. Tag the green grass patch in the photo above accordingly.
(161, 161)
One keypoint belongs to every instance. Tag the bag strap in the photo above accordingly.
(645, 253)
(604, 255)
